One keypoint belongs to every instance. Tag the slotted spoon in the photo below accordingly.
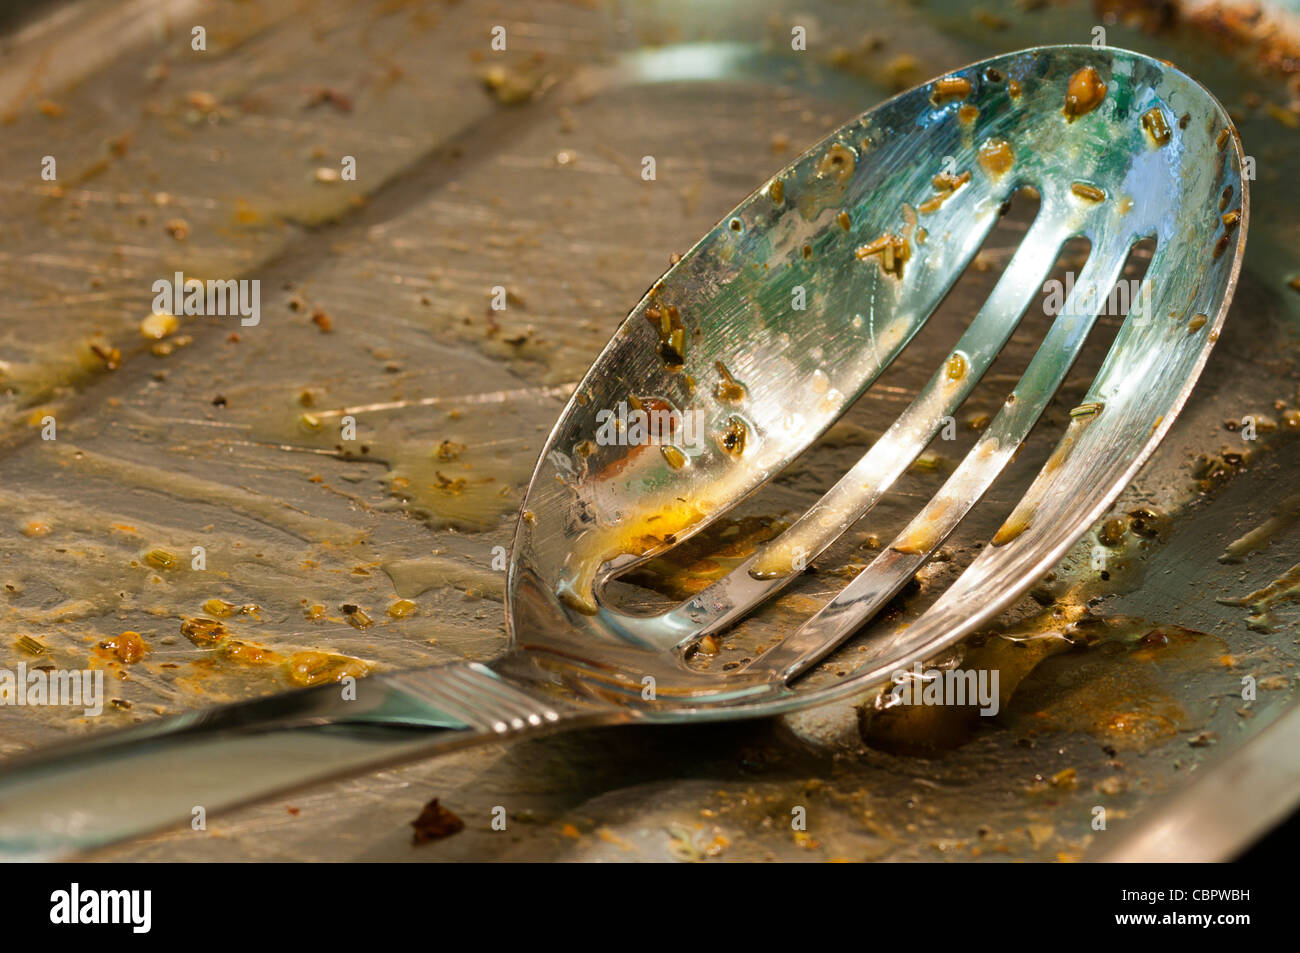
(752, 345)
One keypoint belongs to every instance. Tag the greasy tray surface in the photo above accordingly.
(457, 193)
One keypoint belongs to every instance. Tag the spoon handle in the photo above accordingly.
(178, 771)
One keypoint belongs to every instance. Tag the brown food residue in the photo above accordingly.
(434, 823)
(667, 321)
(893, 251)
(127, 647)
(1153, 121)
(944, 184)
(837, 162)
(728, 390)
(996, 157)
(1084, 93)
(732, 438)
(948, 88)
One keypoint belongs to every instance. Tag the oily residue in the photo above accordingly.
(1062, 670)
(1125, 689)
(414, 577)
(447, 480)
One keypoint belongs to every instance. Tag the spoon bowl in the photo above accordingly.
(766, 331)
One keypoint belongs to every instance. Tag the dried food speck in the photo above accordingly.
(220, 608)
(356, 616)
(732, 438)
(1084, 93)
(893, 251)
(944, 185)
(727, 390)
(203, 631)
(1153, 121)
(995, 156)
(161, 559)
(667, 321)
(434, 823)
(110, 356)
(30, 645)
(957, 366)
(949, 88)
(158, 326)
(449, 450)
(837, 162)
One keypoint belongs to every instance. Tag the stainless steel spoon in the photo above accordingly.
(762, 335)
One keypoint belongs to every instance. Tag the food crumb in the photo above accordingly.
(434, 823)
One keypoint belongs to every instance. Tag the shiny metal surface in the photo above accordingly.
(734, 288)
(1233, 803)
(581, 503)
